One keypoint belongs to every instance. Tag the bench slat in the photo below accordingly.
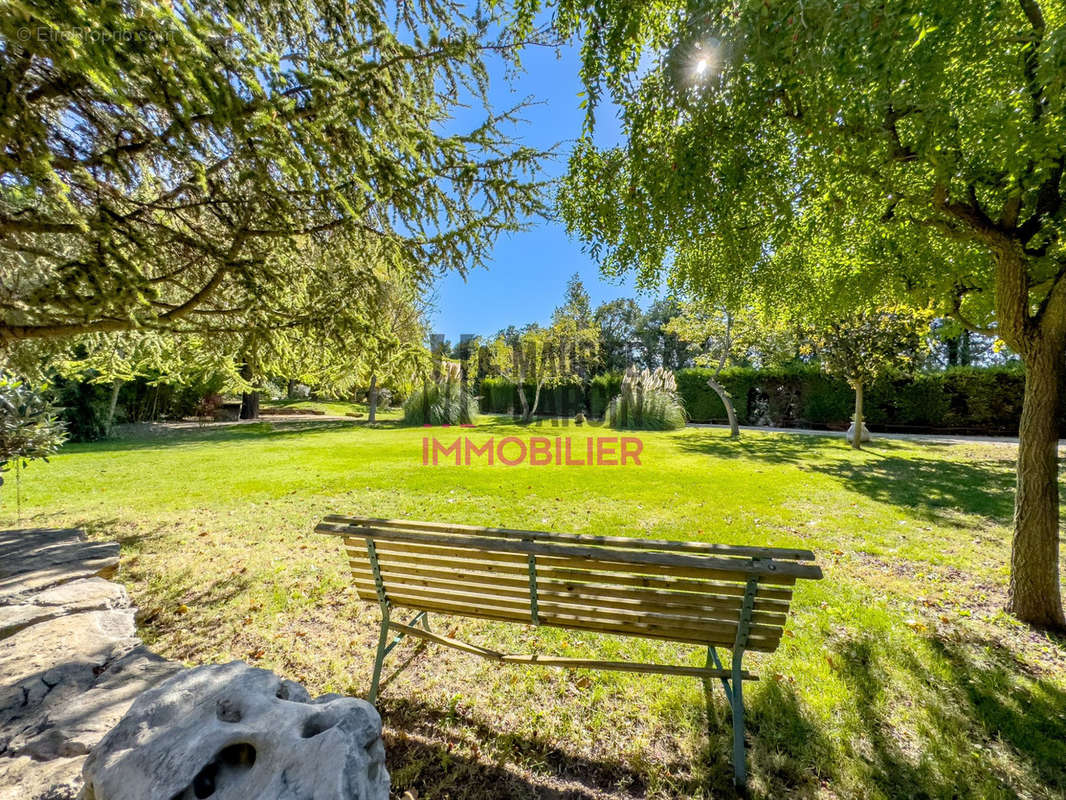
(462, 557)
(781, 553)
(557, 620)
(590, 605)
(589, 595)
(744, 567)
(492, 573)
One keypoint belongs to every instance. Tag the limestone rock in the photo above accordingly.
(234, 732)
(850, 435)
(85, 594)
(50, 666)
(33, 560)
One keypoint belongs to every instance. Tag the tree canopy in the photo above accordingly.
(828, 153)
(163, 163)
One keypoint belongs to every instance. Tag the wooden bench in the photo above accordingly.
(710, 595)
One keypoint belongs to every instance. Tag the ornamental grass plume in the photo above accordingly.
(648, 401)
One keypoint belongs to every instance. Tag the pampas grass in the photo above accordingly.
(445, 402)
(648, 402)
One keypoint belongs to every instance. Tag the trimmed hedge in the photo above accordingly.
(986, 400)
(500, 396)
(981, 400)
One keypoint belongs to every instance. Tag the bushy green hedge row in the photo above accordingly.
(981, 399)
(978, 399)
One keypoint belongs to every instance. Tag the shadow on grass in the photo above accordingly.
(427, 756)
(243, 432)
(953, 717)
(890, 472)
(985, 705)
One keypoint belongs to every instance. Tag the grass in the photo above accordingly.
(333, 408)
(899, 675)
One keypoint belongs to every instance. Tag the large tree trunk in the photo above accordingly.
(372, 399)
(727, 401)
(1035, 595)
(856, 439)
(249, 400)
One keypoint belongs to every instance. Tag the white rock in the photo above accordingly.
(85, 594)
(233, 732)
(37, 559)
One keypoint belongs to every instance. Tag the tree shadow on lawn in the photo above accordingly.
(255, 431)
(930, 487)
(975, 713)
(426, 756)
(969, 720)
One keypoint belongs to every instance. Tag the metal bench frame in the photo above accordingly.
(732, 679)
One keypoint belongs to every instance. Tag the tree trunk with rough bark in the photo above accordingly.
(249, 400)
(372, 399)
(727, 401)
(1035, 593)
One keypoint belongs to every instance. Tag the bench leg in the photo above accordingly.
(740, 767)
(379, 659)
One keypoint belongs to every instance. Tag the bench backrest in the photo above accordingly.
(681, 591)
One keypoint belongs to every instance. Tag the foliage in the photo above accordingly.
(962, 399)
(29, 429)
(719, 337)
(825, 155)
(442, 402)
(648, 401)
(602, 389)
(83, 406)
(618, 321)
(561, 354)
(168, 166)
(860, 347)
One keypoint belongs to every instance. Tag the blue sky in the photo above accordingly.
(528, 272)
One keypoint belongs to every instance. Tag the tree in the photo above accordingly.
(715, 336)
(861, 347)
(543, 356)
(573, 327)
(576, 304)
(910, 148)
(161, 161)
(617, 321)
(661, 347)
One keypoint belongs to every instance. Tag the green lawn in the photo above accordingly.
(898, 677)
(333, 408)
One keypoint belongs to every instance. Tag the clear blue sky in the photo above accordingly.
(528, 272)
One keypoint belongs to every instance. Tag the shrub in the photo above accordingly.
(84, 407)
(445, 402)
(647, 401)
(601, 389)
(29, 429)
